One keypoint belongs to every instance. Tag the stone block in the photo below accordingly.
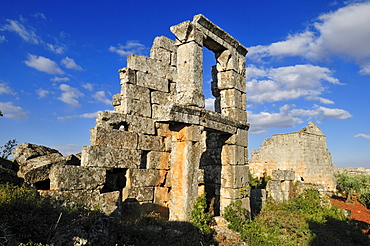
(174, 113)
(273, 189)
(27, 151)
(37, 174)
(289, 175)
(161, 196)
(230, 193)
(233, 98)
(151, 81)
(116, 100)
(277, 174)
(164, 49)
(235, 113)
(141, 124)
(110, 202)
(158, 160)
(102, 156)
(113, 138)
(190, 98)
(127, 75)
(187, 133)
(141, 194)
(135, 91)
(160, 97)
(148, 65)
(145, 177)
(110, 120)
(231, 80)
(234, 176)
(149, 142)
(136, 107)
(233, 155)
(87, 198)
(240, 138)
(68, 177)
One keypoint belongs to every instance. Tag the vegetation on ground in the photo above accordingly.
(308, 219)
(258, 183)
(349, 184)
(26, 218)
(199, 217)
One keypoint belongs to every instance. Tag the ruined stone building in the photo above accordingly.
(303, 152)
(160, 147)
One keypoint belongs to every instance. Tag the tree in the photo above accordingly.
(8, 148)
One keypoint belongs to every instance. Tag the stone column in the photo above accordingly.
(185, 158)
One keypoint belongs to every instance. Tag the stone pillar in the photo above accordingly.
(185, 158)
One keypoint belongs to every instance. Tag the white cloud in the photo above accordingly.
(70, 64)
(40, 15)
(289, 115)
(361, 135)
(11, 111)
(101, 97)
(5, 89)
(2, 38)
(43, 64)
(343, 33)
(55, 48)
(131, 47)
(42, 93)
(70, 95)
(26, 33)
(286, 83)
(210, 104)
(88, 86)
(59, 79)
(85, 116)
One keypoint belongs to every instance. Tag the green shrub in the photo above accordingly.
(199, 217)
(287, 223)
(355, 183)
(258, 183)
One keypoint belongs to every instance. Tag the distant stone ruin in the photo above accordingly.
(160, 148)
(303, 154)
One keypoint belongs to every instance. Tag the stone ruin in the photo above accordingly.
(298, 156)
(160, 148)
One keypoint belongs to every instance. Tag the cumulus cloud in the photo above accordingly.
(92, 115)
(131, 47)
(289, 115)
(88, 86)
(43, 64)
(286, 83)
(11, 111)
(101, 97)
(70, 95)
(70, 64)
(2, 38)
(5, 89)
(42, 93)
(59, 79)
(361, 135)
(26, 33)
(343, 33)
(210, 104)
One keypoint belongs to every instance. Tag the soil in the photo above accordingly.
(360, 215)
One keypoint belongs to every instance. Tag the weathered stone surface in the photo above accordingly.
(161, 196)
(102, 156)
(141, 124)
(26, 151)
(231, 80)
(148, 142)
(113, 138)
(234, 176)
(41, 161)
(12, 165)
(68, 177)
(9, 176)
(141, 194)
(158, 160)
(165, 50)
(145, 177)
(152, 82)
(304, 152)
(233, 98)
(240, 138)
(233, 155)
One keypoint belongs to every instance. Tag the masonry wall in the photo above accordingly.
(304, 152)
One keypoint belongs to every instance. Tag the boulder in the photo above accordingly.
(27, 151)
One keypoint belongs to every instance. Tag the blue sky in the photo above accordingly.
(307, 60)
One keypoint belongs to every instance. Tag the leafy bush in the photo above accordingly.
(296, 222)
(355, 183)
(258, 183)
(199, 217)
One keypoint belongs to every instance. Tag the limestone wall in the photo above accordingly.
(304, 152)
